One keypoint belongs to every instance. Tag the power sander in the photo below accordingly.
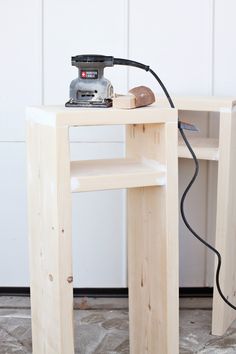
(91, 88)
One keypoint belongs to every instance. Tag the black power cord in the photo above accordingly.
(181, 127)
(190, 228)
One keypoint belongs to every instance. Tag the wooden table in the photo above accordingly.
(149, 171)
(223, 151)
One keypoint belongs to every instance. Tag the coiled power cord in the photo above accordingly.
(181, 127)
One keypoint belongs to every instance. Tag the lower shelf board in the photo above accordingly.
(91, 175)
(204, 148)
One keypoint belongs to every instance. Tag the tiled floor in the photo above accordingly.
(101, 327)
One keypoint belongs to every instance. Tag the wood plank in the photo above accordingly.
(199, 103)
(91, 175)
(49, 206)
(153, 245)
(223, 315)
(61, 116)
(204, 148)
(124, 101)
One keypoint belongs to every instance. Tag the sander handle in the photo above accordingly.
(120, 61)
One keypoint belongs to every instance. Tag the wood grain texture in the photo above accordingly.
(223, 150)
(154, 210)
(124, 101)
(153, 245)
(223, 315)
(204, 148)
(139, 96)
(61, 116)
(199, 103)
(92, 175)
(49, 210)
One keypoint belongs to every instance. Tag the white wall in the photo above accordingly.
(189, 43)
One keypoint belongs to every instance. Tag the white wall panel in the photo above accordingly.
(192, 252)
(13, 220)
(174, 38)
(90, 27)
(81, 27)
(225, 48)
(224, 84)
(20, 69)
(99, 245)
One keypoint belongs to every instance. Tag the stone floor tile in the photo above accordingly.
(101, 330)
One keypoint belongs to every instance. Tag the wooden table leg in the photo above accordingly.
(223, 315)
(49, 198)
(153, 245)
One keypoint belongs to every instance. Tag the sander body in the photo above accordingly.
(91, 88)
